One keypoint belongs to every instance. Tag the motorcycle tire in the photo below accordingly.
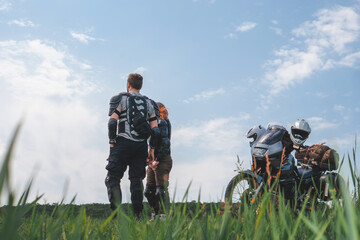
(334, 182)
(240, 189)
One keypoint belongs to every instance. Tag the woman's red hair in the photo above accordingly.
(163, 111)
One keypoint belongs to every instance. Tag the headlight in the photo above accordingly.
(259, 152)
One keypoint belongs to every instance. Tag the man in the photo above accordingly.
(132, 121)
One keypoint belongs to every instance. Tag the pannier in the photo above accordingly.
(319, 156)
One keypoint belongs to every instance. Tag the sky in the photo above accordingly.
(220, 67)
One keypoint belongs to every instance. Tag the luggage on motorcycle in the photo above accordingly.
(320, 156)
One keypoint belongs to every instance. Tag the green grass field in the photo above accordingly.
(261, 220)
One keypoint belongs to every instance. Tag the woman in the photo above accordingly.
(158, 171)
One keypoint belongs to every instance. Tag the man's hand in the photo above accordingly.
(154, 164)
(151, 156)
(112, 142)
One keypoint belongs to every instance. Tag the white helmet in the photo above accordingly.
(255, 133)
(300, 131)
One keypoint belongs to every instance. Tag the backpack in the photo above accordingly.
(320, 156)
(137, 117)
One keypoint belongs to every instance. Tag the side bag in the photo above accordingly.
(320, 156)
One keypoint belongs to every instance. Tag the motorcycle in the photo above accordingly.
(271, 166)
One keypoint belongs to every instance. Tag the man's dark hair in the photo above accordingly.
(135, 80)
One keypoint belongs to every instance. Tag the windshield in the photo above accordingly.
(272, 136)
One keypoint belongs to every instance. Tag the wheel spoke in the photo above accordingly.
(239, 189)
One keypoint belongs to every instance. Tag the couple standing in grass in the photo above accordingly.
(134, 119)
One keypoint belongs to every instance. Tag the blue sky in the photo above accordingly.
(220, 67)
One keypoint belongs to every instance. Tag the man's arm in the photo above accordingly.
(154, 136)
(112, 126)
(114, 113)
(155, 131)
(153, 123)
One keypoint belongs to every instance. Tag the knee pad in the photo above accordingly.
(111, 181)
(115, 197)
(149, 191)
(160, 192)
(150, 194)
(107, 181)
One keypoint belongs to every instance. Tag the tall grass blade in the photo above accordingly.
(5, 171)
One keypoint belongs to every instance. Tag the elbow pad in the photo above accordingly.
(155, 135)
(112, 125)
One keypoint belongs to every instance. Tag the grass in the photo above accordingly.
(262, 220)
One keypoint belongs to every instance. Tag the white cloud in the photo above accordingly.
(140, 70)
(332, 29)
(219, 134)
(351, 60)
(231, 36)
(210, 174)
(36, 69)
(217, 142)
(324, 38)
(246, 26)
(82, 37)
(291, 68)
(318, 123)
(278, 31)
(339, 107)
(322, 95)
(22, 23)
(343, 144)
(204, 95)
(4, 5)
(44, 87)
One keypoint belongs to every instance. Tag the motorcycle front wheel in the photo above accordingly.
(240, 189)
